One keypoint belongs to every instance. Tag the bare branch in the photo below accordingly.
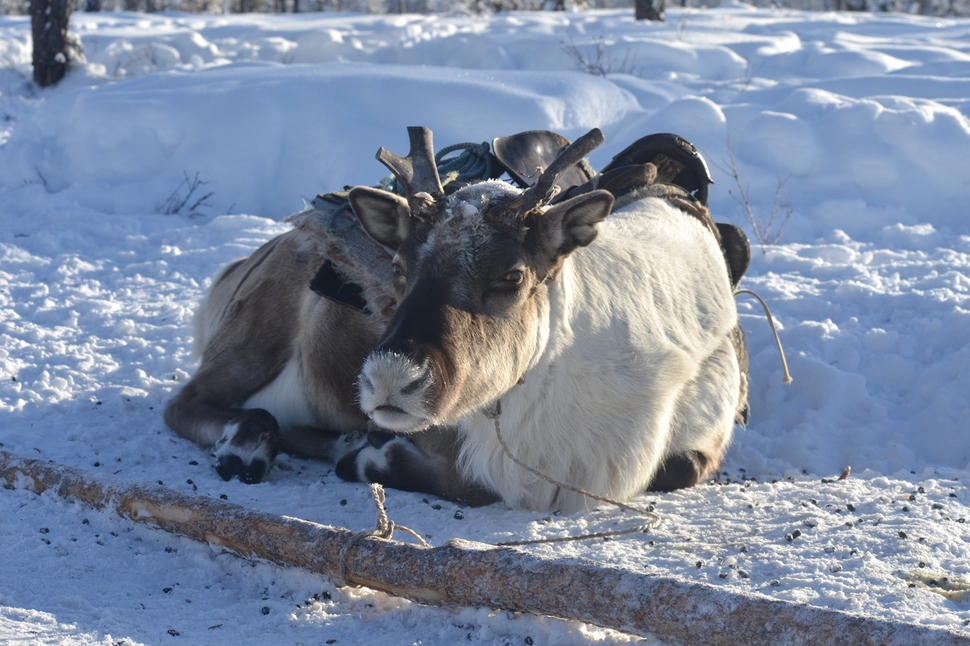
(767, 232)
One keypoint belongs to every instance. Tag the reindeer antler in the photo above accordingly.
(544, 189)
(417, 173)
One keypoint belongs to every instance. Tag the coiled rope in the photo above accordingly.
(385, 529)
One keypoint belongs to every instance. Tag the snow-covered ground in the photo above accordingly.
(862, 120)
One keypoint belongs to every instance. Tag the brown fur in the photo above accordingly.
(258, 315)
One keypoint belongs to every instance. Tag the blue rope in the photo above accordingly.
(353, 221)
(475, 163)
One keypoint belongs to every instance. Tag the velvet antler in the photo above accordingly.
(417, 173)
(543, 190)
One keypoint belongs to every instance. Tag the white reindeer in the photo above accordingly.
(611, 343)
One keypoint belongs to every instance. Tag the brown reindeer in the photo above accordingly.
(279, 360)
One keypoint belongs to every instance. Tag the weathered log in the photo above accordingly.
(475, 574)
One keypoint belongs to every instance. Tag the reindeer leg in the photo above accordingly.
(246, 355)
(246, 441)
(248, 446)
(399, 463)
(708, 410)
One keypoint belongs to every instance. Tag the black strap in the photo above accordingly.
(329, 284)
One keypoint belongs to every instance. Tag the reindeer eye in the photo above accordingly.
(514, 277)
(397, 269)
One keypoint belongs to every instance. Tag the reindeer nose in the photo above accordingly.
(391, 378)
(393, 391)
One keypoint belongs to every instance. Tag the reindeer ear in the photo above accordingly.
(572, 223)
(385, 216)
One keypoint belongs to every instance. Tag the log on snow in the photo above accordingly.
(475, 574)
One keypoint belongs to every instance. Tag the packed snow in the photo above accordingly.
(182, 141)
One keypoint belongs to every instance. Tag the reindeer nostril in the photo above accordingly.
(365, 382)
(414, 385)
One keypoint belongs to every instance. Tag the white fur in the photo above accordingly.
(384, 381)
(247, 451)
(371, 458)
(633, 362)
(637, 365)
(285, 398)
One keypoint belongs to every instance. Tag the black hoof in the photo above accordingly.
(255, 472)
(377, 439)
(680, 471)
(229, 465)
(347, 467)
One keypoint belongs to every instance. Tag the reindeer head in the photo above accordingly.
(472, 272)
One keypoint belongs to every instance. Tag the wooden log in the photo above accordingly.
(475, 574)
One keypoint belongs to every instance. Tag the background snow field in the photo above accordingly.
(184, 140)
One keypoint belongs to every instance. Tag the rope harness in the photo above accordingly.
(494, 415)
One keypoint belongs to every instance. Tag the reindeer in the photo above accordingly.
(607, 347)
(279, 361)
(611, 361)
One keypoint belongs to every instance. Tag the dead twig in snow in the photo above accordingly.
(175, 203)
(597, 59)
(767, 231)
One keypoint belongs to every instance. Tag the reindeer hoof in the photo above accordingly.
(248, 446)
(255, 472)
(347, 467)
(229, 466)
(377, 439)
(680, 471)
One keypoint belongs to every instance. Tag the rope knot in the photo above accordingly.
(384, 530)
